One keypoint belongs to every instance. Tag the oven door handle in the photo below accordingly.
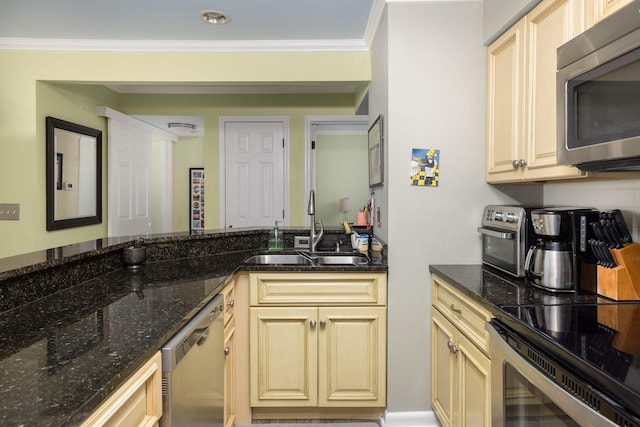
(501, 353)
(498, 234)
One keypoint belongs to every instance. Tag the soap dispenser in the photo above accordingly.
(276, 242)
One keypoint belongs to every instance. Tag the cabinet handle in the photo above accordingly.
(312, 323)
(455, 310)
(452, 347)
(519, 163)
(227, 350)
(323, 323)
(231, 303)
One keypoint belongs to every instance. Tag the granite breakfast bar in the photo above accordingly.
(75, 325)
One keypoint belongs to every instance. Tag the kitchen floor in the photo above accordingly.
(311, 423)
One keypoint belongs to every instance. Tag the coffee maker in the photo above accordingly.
(561, 259)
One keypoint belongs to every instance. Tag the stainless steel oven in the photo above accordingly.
(533, 383)
(507, 234)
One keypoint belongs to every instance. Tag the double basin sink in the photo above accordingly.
(308, 259)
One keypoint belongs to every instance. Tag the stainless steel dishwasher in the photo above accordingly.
(193, 371)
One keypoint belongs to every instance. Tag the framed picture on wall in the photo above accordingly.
(196, 199)
(376, 159)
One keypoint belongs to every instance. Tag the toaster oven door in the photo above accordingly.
(503, 250)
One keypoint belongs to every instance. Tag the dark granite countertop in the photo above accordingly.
(63, 352)
(492, 288)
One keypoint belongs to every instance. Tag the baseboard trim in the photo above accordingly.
(413, 419)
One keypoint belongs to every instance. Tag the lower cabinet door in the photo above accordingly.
(460, 377)
(474, 380)
(352, 356)
(229, 375)
(283, 348)
(443, 368)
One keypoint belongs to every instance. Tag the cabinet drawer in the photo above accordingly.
(229, 301)
(318, 289)
(464, 313)
(138, 402)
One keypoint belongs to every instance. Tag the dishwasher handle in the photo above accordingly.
(195, 332)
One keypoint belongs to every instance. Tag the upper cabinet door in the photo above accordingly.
(549, 25)
(607, 7)
(505, 105)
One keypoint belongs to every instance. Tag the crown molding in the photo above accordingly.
(357, 45)
(375, 17)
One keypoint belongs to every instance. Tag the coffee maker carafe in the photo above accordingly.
(561, 259)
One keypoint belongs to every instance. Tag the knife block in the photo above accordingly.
(623, 281)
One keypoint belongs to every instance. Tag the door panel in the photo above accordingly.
(129, 170)
(284, 356)
(254, 173)
(351, 356)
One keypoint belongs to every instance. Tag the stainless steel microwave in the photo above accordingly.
(598, 102)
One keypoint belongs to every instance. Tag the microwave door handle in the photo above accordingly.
(498, 234)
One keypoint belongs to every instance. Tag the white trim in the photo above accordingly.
(348, 45)
(414, 418)
(222, 120)
(290, 87)
(309, 159)
(110, 113)
(375, 17)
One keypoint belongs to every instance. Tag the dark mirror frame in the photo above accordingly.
(52, 223)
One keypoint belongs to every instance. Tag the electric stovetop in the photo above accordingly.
(596, 337)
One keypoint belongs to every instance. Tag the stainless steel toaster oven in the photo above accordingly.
(507, 234)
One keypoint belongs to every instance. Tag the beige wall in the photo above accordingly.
(26, 101)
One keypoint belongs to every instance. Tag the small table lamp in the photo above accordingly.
(344, 206)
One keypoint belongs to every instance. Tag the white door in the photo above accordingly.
(129, 180)
(254, 173)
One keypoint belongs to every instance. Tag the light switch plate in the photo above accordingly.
(10, 211)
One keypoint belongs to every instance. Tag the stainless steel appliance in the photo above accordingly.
(193, 371)
(507, 234)
(562, 259)
(598, 102)
(582, 369)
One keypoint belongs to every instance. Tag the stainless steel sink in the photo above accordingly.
(307, 259)
(281, 259)
(341, 260)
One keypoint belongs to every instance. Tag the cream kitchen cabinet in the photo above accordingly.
(317, 343)
(137, 402)
(229, 355)
(521, 99)
(460, 363)
(607, 7)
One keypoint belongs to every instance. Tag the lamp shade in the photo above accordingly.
(344, 205)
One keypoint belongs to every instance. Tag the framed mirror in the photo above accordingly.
(74, 175)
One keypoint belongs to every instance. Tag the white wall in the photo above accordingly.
(602, 194)
(499, 15)
(435, 93)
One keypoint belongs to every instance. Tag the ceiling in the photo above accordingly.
(175, 26)
(140, 24)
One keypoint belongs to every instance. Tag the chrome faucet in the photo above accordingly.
(314, 238)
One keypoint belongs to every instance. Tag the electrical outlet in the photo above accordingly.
(301, 242)
(10, 211)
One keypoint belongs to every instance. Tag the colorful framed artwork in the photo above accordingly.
(425, 167)
(196, 199)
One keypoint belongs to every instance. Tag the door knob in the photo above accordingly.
(452, 347)
(323, 323)
(312, 323)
